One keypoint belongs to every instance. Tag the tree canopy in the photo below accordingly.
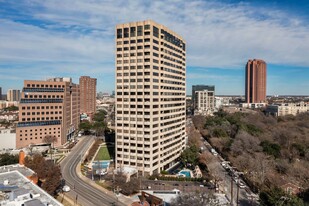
(48, 172)
(8, 159)
(190, 155)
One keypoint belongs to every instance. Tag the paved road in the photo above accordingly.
(82, 191)
(227, 183)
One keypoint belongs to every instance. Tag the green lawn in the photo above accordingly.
(103, 154)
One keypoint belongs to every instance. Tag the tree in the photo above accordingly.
(271, 148)
(276, 196)
(48, 172)
(11, 108)
(99, 128)
(99, 116)
(8, 159)
(50, 139)
(196, 199)
(190, 155)
(85, 126)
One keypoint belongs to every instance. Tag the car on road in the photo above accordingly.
(214, 152)
(241, 184)
(66, 188)
(210, 185)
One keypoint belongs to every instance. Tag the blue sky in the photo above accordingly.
(71, 38)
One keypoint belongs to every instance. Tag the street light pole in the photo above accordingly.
(232, 191)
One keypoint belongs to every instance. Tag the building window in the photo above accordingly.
(139, 31)
(119, 33)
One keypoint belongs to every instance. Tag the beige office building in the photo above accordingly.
(13, 95)
(88, 93)
(48, 107)
(150, 96)
(204, 102)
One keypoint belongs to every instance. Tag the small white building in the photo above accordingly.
(7, 139)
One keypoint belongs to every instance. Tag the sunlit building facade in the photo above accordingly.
(48, 107)
(150, 96)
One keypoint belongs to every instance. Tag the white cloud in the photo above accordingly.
(76, 37)
(217, 34)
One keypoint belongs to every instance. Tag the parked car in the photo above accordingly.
(241, 184)
(214, 152)
(66, 188)
(209, 185)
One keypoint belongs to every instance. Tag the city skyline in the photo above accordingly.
(41, 40)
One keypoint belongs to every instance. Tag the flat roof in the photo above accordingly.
(17, 167)
(25, 186)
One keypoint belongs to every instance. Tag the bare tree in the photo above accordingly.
(50, 139)
(196, 199)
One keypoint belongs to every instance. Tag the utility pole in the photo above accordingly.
(232, 192)
(237, 197)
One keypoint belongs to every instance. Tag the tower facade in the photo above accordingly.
(150, 96)
(256, 81)
(204, 102)
(47, 108)
(13, 95)
(88, 93)
(201, 87)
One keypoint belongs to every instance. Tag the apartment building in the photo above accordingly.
(200, 87)
(48, 107)
(256, 81)
(287, 108)
(150, 96)
(88, 93)
(13, 95)
(204, 102)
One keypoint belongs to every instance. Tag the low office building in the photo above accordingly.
(286, 109)
(48, 108)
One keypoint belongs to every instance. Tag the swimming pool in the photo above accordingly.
(100, 164)
(186, 173)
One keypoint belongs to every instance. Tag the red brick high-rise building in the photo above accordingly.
(256, 81)
(88, 93)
